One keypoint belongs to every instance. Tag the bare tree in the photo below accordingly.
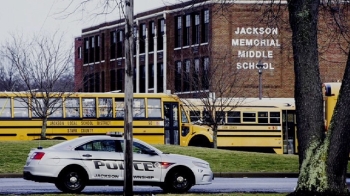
(9, 77)
(44, 67)
(219, 86)
(214, 83)
(323, 157)
(107, 7)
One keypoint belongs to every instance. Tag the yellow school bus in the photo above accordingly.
(266, 125)
(331, 92)
(157, 118)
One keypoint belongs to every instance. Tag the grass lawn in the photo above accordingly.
(13, 155)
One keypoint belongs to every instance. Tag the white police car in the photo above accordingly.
(98, 160)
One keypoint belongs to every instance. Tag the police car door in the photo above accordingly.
(146, 166)
(102, 159)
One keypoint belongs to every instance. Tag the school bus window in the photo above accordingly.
(139, 108)
(38, 103)
(89, 107)
(105, 107)
(195, 116)
(206, 116)
(167, 115)
(275, 117)
(56, 108)
(176, 115)
(72, 108)
(119, 107)
(234, 117)
(220, 117)
(184, 118)
(249, 117)
(263, 117)
(153, 108)
(5, 107)
(20, 108)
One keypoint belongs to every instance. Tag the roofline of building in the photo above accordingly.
(170, 9)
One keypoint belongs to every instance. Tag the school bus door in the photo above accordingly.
(289, 132)
(171, 123)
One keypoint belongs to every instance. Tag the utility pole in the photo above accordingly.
(128, 100)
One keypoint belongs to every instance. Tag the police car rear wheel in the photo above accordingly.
(178, 182)
(71, 180)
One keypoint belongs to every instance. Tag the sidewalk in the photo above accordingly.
(216, 175)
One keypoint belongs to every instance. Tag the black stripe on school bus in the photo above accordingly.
(8, 134)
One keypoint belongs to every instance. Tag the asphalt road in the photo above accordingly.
(216, 175)
(19, 186)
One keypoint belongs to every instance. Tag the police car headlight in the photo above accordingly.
(200, 164)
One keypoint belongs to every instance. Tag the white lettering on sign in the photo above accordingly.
(255, 54)
(255, 42)
(256, 31)
(252, 65)
(250, 57)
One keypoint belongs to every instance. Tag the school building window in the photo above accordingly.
(186, 36)
(205, 27)
(120, 74)
(196, 75)
(120, 39)
(142, 39)
(151, 76)
(112, 80)
(160, 77)
(195, 29)
(142, 79)
(178, 33)
(205, 74)
(113, 44)
(97, 48)
(86, 50)
(187, 75)
(178, 74)
(151, 36)
(160, 34)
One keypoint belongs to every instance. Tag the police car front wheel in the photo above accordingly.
(178, 181)
(71, 180)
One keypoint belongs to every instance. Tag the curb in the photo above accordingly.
(255, 175)
(11, 175)
(216, 175)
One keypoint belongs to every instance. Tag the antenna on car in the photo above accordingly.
(39, 145)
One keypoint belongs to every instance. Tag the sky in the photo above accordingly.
(41, 17)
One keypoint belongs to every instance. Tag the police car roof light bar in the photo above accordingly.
(114, 134)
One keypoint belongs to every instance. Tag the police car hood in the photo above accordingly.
(177, 158)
